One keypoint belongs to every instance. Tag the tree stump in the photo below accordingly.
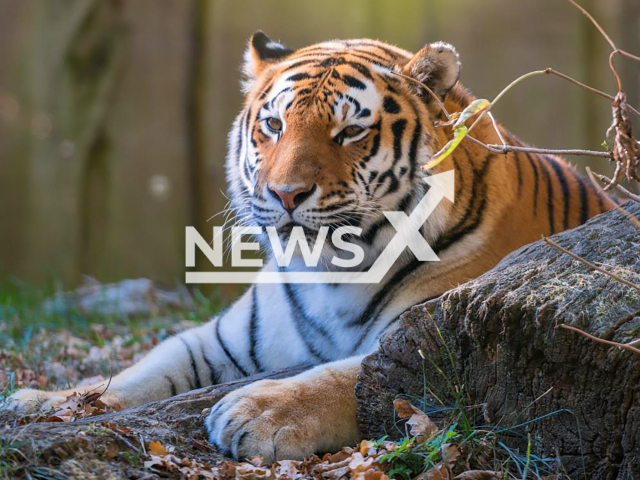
(498, 338)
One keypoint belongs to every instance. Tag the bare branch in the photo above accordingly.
(628, 55)
(624, 346)
(566, 77)
(610, 202)
(431, 92)
(548, 151)
(607, 181)
(596, 24)
(609, 41)
(495, 127)
(591, 265)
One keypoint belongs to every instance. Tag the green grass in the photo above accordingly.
(485, 447)
(21, 313)
(35, 341)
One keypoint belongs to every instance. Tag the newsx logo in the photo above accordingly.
(407, 236)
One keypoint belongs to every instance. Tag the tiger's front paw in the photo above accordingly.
(27, 401)
(284, 419)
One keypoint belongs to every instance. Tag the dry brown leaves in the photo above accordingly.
(364, 462)
(360, 463)
(420, 423)
(626, 149)
(74, 407)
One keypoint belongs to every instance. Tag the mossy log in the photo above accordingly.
(497, 339)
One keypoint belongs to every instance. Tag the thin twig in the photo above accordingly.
(548, 151)
(627, 54)
(610, 202)
(626, 193)
(495, 127)
(566, 77)
(431, 92)
(596, 24)
(624, 346)
(607, 38)
(503, 92)
(591, 265)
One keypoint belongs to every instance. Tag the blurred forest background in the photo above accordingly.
(114, 113)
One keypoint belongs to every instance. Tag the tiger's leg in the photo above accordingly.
(216, 352)
(314, 411)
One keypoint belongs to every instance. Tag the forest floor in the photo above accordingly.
(53, 346)
(49, 348)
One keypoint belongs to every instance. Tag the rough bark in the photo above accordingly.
(98, 444)
(500, 343)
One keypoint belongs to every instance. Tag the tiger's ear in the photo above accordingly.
(260, 54)
(437, 65)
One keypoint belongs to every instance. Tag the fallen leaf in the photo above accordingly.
(367, 446)
(371, 475)
(404, 408)
(359, 464)
(156, 448)
(288, 468)
(450, 454)
(421, 425)
(439, 472)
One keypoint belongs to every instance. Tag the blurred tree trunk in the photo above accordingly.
(73, 66)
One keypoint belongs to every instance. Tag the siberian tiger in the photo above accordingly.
(332, 135)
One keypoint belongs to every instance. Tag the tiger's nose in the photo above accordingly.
(290, 197)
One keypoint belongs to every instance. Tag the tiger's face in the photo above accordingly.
(333, 135)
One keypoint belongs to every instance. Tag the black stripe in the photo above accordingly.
(390, 105)
(474, 212)
(393, 184)
(534, 167)
(376, 302)
(370, 235)
(172, 386)
(550, 208)
(359, 43)
(226, 350)
(519, 169)
(371, 58)
(381, 300)
(196, 376)
(298, 76)
(353, 82)
(214, 379)
(413, 149)
(253, 329)
(584, 198)
(299, 64)
(398, 129)
(566, 193)
(374, 148)
(265, 92)
(361, 68)
(302, 322)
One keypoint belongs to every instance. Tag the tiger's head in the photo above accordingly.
(335, 133)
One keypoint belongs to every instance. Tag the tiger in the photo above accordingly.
(330, 135)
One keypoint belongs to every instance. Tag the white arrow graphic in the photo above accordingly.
(407, 236)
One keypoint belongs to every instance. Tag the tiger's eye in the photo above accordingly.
(274, 124)
(352, 131)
